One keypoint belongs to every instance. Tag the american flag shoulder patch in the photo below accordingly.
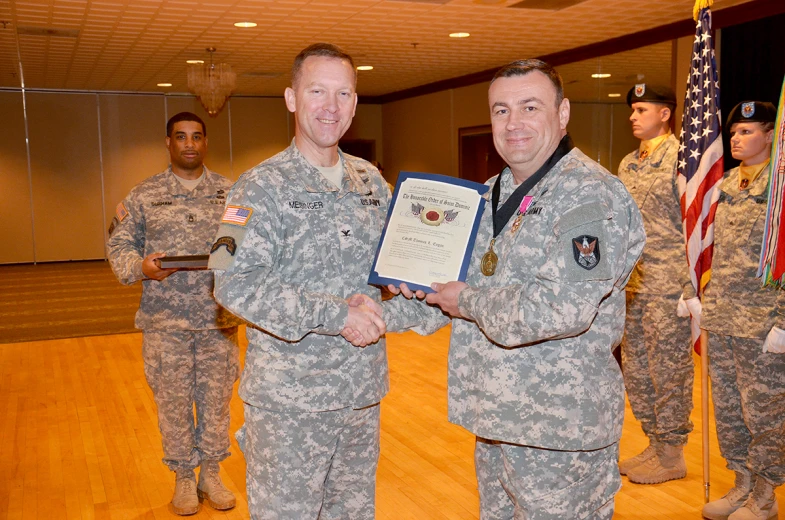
(121, 212)
(237, 215)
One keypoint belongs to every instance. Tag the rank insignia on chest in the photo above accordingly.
(346, 232)
(190, 217)
(237, 215)
(586, 250)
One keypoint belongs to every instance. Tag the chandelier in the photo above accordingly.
(212, 84)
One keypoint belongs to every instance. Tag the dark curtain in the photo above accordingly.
(752, 66)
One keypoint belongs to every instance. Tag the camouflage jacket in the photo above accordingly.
(532, 364)
(663, 267)
(735, 303)
(160, 215)
(290, 249)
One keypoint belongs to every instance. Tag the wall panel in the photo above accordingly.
(133, 131)
(16, 225)
(259, 131)
(418, 135)
(67, 195)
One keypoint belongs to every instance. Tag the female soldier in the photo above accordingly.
(746, 347)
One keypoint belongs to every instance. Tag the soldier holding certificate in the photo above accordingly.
(531, 370)
(189, 342)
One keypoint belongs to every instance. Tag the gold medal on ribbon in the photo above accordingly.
(489, 261)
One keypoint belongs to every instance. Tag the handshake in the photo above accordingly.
(365, 324)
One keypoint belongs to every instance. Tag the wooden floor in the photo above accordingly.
(79, 439)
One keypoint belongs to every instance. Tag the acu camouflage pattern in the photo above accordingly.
(656, 350)
(163, 216)
(189, 344)
(309, 465)
(534, 366)
(748, 390)
(187, 367)
(658, 367)
(652, 183)
(520, 482)
(735, 304)
(307, 247)
(748, 385)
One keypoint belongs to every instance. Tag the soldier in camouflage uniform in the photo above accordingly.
(297, 239)
(656, 353)
(746, 345)
(531, 368)
(189, 343)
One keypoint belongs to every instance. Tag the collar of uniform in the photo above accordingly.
(655, 147)
(731, 183)
(315, 182)
(752, 173)
(508, 184)
(175, 187)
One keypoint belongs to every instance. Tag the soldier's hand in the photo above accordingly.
(405, 291)
(358, 299)
(446, 297)
(363, 326)
(151, 267)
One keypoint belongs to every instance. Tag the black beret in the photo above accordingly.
(752, 112)
(651, 94)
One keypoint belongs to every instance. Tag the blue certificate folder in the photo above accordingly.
(437, 214)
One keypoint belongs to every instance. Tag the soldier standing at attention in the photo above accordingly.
(297, 239)
(531, 366)
(189, 343)
(656, 351)
(746, 344)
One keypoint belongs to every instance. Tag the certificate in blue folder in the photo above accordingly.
(430, 231)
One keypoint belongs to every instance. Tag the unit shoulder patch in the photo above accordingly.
(586, 250)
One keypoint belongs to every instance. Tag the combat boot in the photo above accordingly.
(668, 464)
(760, 505)
(185, 502)
(212, 489)
(720, 509)
(627, 464)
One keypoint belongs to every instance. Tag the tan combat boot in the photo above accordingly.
(185, 502)
(668, 464)
(720, 509)
(627, 464)
(212, 489)
(760, 505)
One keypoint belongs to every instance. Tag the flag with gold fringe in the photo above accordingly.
(772, 258)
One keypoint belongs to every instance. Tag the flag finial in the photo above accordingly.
(700, 4)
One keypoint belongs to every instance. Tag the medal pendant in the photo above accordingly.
(516, 223)
(489, 261)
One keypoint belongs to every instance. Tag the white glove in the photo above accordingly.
(775, 341)
(691, 307)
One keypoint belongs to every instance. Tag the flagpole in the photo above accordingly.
(704, 355)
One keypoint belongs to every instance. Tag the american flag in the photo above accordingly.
(700, 166)
(237, 215)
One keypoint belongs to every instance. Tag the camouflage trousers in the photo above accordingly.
(190, 367)
(748, 389)
(658, 368)
(303, 466)
(526, 483)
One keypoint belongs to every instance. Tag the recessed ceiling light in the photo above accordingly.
(365, 67)
(194, 62)
(459, 35)
(164, 84)
(614, 95)
(244, 24)
(600, 76)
